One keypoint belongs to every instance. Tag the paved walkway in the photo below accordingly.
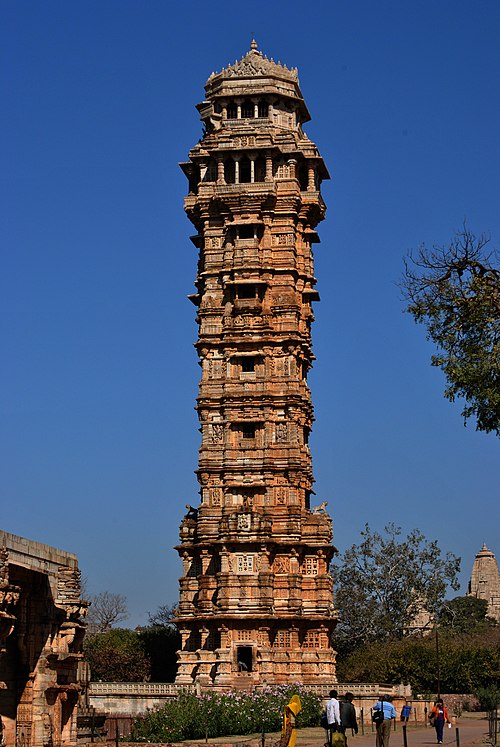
(472, 731)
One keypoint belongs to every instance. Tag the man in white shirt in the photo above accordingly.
(333, 714)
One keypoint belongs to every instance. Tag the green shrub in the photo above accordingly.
(224, 714)
(489, 697)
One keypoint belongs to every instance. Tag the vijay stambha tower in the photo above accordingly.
(256, 601)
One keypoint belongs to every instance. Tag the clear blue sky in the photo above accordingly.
(99, 375)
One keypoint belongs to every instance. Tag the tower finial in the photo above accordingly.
(254, 45)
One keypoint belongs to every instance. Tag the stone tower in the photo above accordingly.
(256, 600)
(485, 581)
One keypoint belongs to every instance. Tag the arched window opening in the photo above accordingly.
(248, 364)
(247, 109)
(194, 178)
(229, 171)
(246, 232)
(245, 170)
(263, 109)
(232, 110)
(246, 290)
(211, 172)
(260, 169)
(245, 660)
(303, 176)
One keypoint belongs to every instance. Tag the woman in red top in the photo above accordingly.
(438, 716)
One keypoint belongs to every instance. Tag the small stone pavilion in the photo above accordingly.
(256, 601)
(41, 636)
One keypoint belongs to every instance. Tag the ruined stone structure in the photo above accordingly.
(256, 599)
(41, 635)
(485, 581)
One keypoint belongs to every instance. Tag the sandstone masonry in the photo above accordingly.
(485, 581)
(41, 636)
(256, 599)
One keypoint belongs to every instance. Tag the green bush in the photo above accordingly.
(224, 714)
(489, 697)
(117, 655)
(467, 662)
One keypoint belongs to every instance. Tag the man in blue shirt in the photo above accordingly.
(384, 727)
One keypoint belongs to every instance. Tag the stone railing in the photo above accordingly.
(133, 699)
(167, 689)
(360, 690)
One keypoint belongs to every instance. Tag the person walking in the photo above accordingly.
(289, 730)
(348, 715)
(438, 716)
(384, 726)
(333, 714)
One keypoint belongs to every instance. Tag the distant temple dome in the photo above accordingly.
(255, 63)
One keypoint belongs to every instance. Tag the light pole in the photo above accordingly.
(438, 670)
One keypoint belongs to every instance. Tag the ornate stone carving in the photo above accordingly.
(281, 433)
(281, 564)
(215, 496)
(217, 433)
(252, 306)
(244, 522)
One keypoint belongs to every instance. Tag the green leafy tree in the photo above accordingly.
(467, 662)
(489, 697)
(383, 583)
(118, 655)
(161, 641)
(465, 615)
(454, 291)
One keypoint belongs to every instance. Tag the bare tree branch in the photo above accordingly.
(106, 610)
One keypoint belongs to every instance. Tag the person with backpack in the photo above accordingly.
(348, 715)
(383, 714)
(438, 716)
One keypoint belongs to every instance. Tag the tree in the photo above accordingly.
(454, 291)
(161, 641)
(467, 662)
(465, 615)
(383, 583)
(164, 616)
(106, 610)
(118, 655)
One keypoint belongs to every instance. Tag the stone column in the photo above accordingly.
(220, 171)
(311, 182)
(269, 168)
